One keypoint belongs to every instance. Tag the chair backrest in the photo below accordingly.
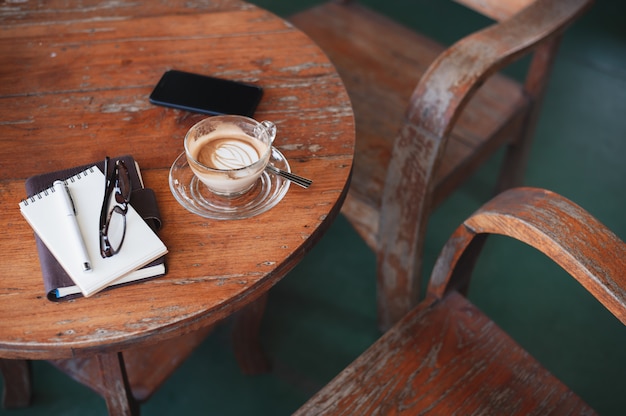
(562, 230)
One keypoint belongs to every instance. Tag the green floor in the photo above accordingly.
(323, 314)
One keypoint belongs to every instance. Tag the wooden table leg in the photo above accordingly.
(118, 396)
(18, 389)
(246, 338)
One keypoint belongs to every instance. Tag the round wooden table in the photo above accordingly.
(74, 87)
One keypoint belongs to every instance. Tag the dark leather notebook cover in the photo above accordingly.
(142, 199)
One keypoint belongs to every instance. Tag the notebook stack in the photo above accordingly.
(140, 257)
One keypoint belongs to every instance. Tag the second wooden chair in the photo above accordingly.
(428, 116)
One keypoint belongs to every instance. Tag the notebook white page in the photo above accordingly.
(141, 245)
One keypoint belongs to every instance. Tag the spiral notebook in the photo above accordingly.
(142, 245)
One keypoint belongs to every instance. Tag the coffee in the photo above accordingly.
(229, 153)
(234, 151)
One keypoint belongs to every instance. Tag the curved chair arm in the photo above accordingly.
(552, 224)
(436, 103)
(442, 91)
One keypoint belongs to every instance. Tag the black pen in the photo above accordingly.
(69, 212)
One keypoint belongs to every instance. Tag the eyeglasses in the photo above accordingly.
(113, 221)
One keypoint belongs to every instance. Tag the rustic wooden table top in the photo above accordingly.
(74, 87)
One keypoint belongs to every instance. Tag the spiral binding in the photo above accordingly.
(41, 195)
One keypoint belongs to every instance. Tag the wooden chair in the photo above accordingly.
(428, 116)
(447, 357)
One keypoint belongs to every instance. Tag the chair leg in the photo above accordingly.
(518, 152)
(119, 397)
(398, 281)
(404, 217)
(246, 338)
(18, 390)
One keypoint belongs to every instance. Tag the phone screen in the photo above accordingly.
(204, 94)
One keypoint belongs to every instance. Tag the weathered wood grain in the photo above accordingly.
(447, 357)
(74, 85)
(428, 116)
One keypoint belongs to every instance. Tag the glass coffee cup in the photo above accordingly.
(229, 153)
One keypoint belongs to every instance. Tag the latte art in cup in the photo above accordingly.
(229, 153)
(233, 152)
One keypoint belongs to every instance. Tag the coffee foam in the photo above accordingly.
(227, 148)
(227, 153)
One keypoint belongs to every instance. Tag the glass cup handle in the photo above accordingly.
(270, 129)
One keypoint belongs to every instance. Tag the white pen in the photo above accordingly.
(69, 212)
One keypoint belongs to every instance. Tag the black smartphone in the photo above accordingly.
(205, 94)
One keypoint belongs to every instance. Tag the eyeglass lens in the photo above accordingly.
(114, 229)
(122, 183)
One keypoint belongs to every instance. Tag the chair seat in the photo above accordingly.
(352, 37)
(445, 357)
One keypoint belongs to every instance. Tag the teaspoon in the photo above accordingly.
(298, 180)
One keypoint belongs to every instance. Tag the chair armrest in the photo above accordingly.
(552, 224)
(455, 75)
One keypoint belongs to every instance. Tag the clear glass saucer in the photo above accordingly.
(194, 196)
